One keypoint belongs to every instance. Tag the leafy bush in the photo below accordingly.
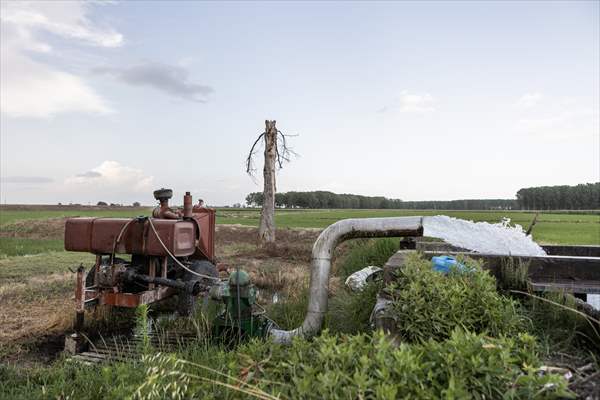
(360, 367)
(429, 305)
(331, 366)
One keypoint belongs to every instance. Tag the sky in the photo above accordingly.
(412, 100)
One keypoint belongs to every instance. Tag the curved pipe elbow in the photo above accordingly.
(321, 263)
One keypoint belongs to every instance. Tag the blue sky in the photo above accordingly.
(410, 100)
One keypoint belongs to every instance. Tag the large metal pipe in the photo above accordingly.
(321, 263)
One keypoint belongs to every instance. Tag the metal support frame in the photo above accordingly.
(86, 297)
(80, 292)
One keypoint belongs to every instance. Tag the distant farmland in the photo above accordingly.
(35, 229)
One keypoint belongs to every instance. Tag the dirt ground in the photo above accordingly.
(36, 292)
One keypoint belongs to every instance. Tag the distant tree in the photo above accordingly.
(136, 204)
(585, 196)
(324, 199)
(276, 153)
(102, 203)
(255, 199)
(237, 205)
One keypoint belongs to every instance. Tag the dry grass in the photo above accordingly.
(35, 294)
(34, 310)
(26, 321)
(282, 269)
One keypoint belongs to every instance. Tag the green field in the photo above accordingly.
(551, 228)
(9, 216)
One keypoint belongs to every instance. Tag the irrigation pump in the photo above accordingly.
(242, 316)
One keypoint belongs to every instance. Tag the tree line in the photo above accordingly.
(325, 199)
(585, 196)
(579, 197)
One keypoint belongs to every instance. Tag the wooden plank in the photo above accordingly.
(91, 360)
(592, 287)
(93, 355)
(573, 251)
(436, 246)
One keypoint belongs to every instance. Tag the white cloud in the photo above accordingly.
(409, 102)
(529, 100)
(113, 175)
(416, 103)
(32, 88)
(63, 18)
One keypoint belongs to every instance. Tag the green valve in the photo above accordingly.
(241, 316)
(239, 278)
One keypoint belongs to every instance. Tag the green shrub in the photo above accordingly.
(330, 366)
(429, 305)
(360, 367)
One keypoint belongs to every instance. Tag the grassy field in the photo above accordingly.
(551, 228)
(10, 215)
(16, 246)
(20, 229)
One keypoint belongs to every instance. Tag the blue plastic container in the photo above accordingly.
(444, 263)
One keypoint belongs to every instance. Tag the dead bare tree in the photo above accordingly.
(277, 153)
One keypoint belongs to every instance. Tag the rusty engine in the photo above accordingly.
(145, 259)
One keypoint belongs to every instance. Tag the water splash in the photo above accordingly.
(482, 237)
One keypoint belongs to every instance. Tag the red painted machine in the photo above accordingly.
(145, 259)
